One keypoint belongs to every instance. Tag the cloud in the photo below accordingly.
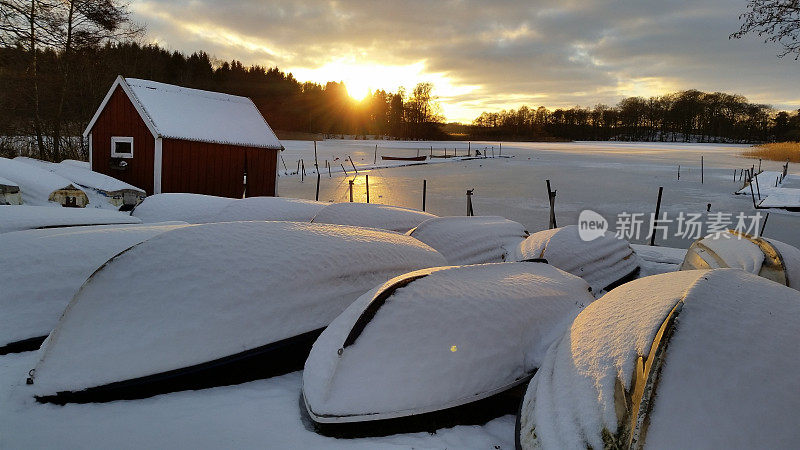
(491, 54)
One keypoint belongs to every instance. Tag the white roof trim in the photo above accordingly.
(120, 81)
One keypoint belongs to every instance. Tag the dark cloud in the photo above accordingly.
(556, 53)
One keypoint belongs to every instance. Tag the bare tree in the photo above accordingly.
(777, 21)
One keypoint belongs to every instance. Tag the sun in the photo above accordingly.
(357, 90)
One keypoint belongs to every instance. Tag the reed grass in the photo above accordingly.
(778, 151)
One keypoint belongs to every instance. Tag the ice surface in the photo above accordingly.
(259, 414)
(81, 176)
(372, 215)
(23, 217)
(196, 115)
(451, 337)
(191, 208)
(734, 330)
(199, 293)
(471, 240)
(35, 184)
(43, 269)
(600, 262)
(269, 208)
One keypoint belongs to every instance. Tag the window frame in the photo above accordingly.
(114, 140)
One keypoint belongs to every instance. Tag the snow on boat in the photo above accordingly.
(23, 217)
(771, 259)
(113, 191)
(691, 359)
(9, 193)
(438, 338)
(213, 304)
(45, 268)
(191, 208)
(372, 215)
(604, 262)
(40, 187)
(269, 208)
(471, 239)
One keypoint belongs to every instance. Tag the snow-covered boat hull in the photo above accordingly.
(372, 215)
(687, 359)
(437, 339)
(215, 294)
(605, 262)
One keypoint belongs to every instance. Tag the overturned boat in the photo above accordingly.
(436, 339)
(269, 208)
(404, 158)
(213, 304)
(9, 192)
(110, 190)
(604, 262)
(690, 359)
(768, 258)
(22, 217)
(41, 187)
(371, 215)
(471, 239)
(45, 268)
(191, 208)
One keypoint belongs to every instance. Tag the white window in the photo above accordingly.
(121, 147)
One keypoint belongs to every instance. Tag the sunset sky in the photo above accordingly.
(488, 55)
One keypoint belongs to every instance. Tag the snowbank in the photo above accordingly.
(21, 217)
(438, 338)
(45, 268)
(372, 215)
(471, 240)
(191, 208)
(269, 208)
(602, 262)
(768, 258)
(730, 354)
(200, 293)
(39, 186)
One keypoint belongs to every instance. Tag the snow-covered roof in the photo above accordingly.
(194, 115)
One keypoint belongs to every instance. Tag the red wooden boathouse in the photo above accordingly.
(166, 138)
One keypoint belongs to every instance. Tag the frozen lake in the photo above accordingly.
(607, 177)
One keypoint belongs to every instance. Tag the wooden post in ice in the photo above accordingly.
(343, 169)
(701, 169)
(469, 148)
(329, 168)
(298, 168)
(431, 150)
(375, 160)
(303, 173)
(316, 163)
(759, 165)
(758, 190)
(655, 218)
(316, 196)
(351, 190)
(763, 225)
(734, 175)
(753, 196)
(351, 163)
(551, 195)
(424, 192)
(679, 172)
(367, 181)
(470, 212)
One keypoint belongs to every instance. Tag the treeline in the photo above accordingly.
(686, 116)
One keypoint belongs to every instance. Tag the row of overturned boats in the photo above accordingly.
(449, 320)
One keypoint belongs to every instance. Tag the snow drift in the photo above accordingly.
(771, 259)
(372, 215)
(438, 338)
(691, 359)
(203, 297)
(45, 268)
(112, 190)
(471, 239)
(41, 187)
(604, 262)
(21, 217)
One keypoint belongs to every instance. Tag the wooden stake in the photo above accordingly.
(753, 195)
(351, 190)
(701, 169)
(655, 218)
(367, 181)
(351, 163)
(424, 192)
(316, 163)
(470, 212)
(285, 170)
(316, 196)
(763, 225)
(758, 190)
(375, 160)
(303, 173)
(551, 195)
(343, 169)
